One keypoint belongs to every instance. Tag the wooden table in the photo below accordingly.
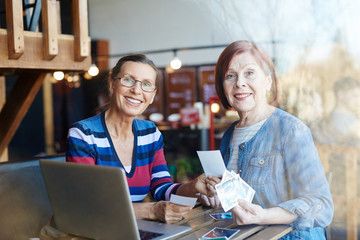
(201, 223)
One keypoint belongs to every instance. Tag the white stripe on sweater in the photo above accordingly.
(149, 138)
(160, 174)
(136, 198)
(90, 139)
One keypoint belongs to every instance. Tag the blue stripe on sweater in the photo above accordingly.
(89, 132)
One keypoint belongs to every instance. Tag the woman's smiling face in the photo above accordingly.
(245, 84)
(132, 101)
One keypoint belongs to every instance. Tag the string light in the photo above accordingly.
(58, 75)
(93, 70)
(175, 62)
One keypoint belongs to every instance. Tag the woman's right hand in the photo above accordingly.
(169, 212)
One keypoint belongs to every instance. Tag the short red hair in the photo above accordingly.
(223, 63)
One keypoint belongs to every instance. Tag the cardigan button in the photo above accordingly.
(242, 146)
(261, 161)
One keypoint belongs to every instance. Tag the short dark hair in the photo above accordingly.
(223, 63)
(139, 58)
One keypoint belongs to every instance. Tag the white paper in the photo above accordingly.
(184, 201)
(212, 162)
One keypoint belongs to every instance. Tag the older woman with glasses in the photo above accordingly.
(117, 138)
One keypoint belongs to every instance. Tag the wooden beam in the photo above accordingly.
(18, 103)
(50, 30)
(15, 28)
(80, 29)
(2, 92)
(100, 48)
(48, 115)
(33, 57)
(4, 156)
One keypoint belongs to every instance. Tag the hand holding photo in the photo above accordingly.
(231, 188)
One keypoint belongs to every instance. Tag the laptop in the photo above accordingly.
(94, 202)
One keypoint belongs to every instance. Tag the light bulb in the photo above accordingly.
(93, 70)
(215, 107)
(76, 77)
(58, 75)
(175, 63)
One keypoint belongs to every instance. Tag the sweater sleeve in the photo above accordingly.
(78, 148)
(162, 185)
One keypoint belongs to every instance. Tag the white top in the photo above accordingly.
(241, 135)
(127, 168)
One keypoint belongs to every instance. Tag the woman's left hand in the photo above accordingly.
(248, 213)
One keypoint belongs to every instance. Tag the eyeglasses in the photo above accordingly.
(129, 82)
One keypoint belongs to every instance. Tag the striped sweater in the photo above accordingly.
(89, 142)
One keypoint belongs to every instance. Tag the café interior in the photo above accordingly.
(55, 57)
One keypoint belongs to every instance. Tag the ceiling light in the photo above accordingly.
(175, 62)
(215, 107)
(58, 75)
(93, 70)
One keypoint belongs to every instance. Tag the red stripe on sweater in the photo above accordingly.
(159, 158)
(160, 181)
(84, 160)
(141, 177)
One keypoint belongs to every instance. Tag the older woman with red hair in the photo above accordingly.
(272, 150)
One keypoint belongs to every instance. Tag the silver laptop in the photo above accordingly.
(94, 202)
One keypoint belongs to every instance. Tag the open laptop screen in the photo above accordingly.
(94, 202)
(90, 201)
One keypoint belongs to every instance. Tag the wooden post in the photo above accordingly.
(80, 29)
(50, 31)
(4, 156)
(17, 104)
(48, 115)
(15, 28)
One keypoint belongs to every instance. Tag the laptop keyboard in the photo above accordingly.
(146, 235)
